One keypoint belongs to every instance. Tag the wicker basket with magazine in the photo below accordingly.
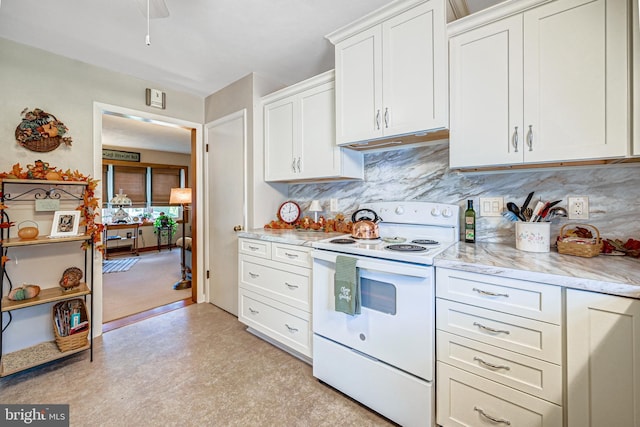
(71, 324)
(578, 245)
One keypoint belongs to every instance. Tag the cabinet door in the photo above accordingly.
(414, 89)
(320, 156)
(358, 87)
(279, 138)
(575, 77)
(603, 360)
(486, 95)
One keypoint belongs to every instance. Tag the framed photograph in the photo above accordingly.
(65, 224)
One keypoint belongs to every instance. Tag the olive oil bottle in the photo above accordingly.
(470, 223)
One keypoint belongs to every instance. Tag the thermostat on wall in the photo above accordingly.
(156, 98)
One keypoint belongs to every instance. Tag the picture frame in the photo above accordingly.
(65, 224)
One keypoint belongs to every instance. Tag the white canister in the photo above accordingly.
(533, 236)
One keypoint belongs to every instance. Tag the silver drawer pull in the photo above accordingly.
(290, 328)
(253, 311)
(291, 255)
(491, 418)
(488, 293)
(290, 286)
(253, 275)
(496, 331)
(253, 248)
(491, 365)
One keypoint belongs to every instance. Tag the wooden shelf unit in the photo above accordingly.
(45, 296)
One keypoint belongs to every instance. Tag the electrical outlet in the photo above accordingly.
(139, 232)
(333, 205)
(491, 206)
(578, 207)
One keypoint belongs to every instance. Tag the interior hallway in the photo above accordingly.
(192, 366)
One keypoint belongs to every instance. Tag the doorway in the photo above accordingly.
(144, 120)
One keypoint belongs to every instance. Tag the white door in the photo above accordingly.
(226, 205)
(603, 360)
(486, 95)
(359, 87)
(576, 91)
(414, 70)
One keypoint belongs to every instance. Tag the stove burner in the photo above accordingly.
(342, 241)
(425, 242)
(406, 248)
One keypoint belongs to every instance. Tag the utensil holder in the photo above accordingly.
(533, 236)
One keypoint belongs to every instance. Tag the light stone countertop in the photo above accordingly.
(616, 275)
(291, 237)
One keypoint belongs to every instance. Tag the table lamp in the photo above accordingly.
(315, 208)
(182, 197)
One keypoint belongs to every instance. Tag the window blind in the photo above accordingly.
(132, 181)
(162, 181)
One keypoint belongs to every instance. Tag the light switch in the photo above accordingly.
(491, 206)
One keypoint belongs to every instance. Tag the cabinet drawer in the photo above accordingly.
(292, 254)
(532, 338)
(283, 324)
(533, 376)
(465, 399)
(257, 248)
(522, 298)
(291, 285)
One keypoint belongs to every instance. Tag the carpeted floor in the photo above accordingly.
(147, 284)
(196, 366)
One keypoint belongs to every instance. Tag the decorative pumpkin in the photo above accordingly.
(53, 176)
(71, 278)
(24, 292)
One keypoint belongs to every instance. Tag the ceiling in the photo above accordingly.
(201, 47)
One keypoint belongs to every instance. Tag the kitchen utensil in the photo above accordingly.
(536, 211)
(527, 213)
(557, 212)
(515, 209)
(510, 216)
(525, 205)
(365, 226)
(545, 211)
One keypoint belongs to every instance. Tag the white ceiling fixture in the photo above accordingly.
(152, 9)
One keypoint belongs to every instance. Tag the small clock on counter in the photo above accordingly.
(289, 212)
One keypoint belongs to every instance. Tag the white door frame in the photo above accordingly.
(99, 109)
(206, 228)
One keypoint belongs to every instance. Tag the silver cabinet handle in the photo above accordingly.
(291, 328)
(530, 138)
(253, 275)
(515, 140)
(486, 328)
(378, 119)
(291, 255)
(293, 165)
(491, 294)
(386, 117)
(299, 169)
(491, 418)
(253, 311)
(290, 286)
(253, 248)
(491, 365)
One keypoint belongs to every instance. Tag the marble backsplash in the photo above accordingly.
(422, 174)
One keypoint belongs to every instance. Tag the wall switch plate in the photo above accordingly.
(491, 206)
(578, 207)
(333, 205)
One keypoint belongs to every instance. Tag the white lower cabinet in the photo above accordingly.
(499, 351)
(603, 360)
(275, 292)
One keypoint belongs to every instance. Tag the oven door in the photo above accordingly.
(396, 325)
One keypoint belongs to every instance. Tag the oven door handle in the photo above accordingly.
(380, 265)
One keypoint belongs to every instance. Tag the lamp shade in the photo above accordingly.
(315, 206)
(180, 196)
(121, 200)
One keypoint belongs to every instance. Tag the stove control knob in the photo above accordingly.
(447, 213)
(399, 210)
(435, 212)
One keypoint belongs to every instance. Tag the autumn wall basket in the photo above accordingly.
(41, 131)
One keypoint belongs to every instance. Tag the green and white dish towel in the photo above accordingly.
(346, 286)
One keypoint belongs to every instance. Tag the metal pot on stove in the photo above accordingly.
(365, 224)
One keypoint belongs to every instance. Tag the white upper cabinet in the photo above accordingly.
(544, 84)
(299, 134)
(391, 72)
